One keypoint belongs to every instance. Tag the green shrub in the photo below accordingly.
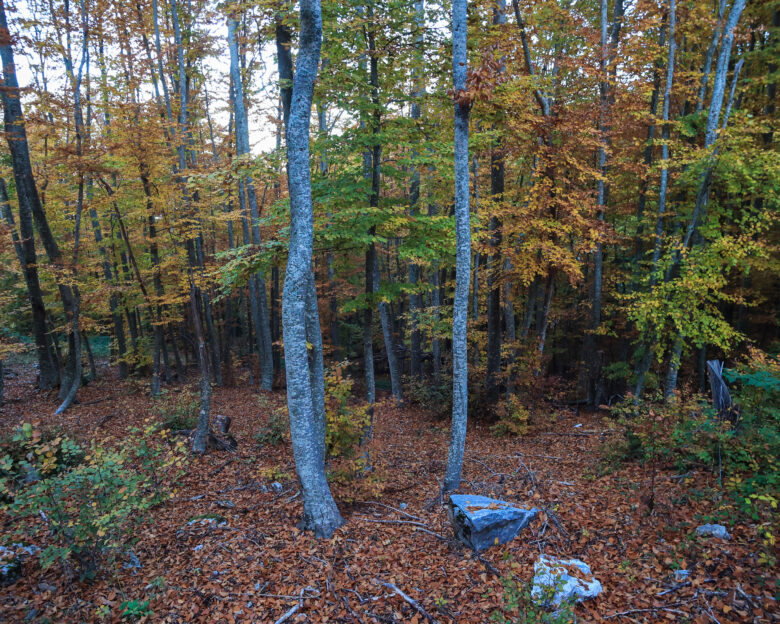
(30, 454)
(91, 511)
(275, 431)
(135, 609)
(434, 396)
(520, 607)
(345, 424)
(743, 453)
(513, 418)
(178, 411)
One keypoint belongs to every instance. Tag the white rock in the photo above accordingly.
(713, 530)
(554, 585)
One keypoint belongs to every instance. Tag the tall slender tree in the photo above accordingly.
(300, 318)
(463, 249)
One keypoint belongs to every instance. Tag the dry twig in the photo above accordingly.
(416, 605)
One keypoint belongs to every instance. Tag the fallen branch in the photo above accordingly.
(96, 401)
(540, 456)
(105, 419)
(488, 566)
(674, 589)
(295, 608)
(416, 605)
(667, 608)
(400, 511)
(292, 611)
(418, 526)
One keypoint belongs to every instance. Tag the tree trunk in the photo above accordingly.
(68, 395)
(463, 250)
(415, 299)
(48, 372)
(260, 298)
(27, 193)
(304, 400)
(494, 263)
(387, 332)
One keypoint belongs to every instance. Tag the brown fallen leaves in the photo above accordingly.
(256, 567)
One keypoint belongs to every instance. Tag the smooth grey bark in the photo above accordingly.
(299, 308)
(670, 382)
(713, 116)
(368, 327)
(204, 415)
(705, 74)
(665, 136)
(463, 250)
(545, 321)
(702, 199)
(494, 263)
(258, 292)
(704, 182)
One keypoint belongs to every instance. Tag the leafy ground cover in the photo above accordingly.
(224, 547)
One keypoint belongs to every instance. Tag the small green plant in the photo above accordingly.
(91, 511)
(30, 454)
(741, 450)
(513, 418)
(135, 609)
(520, 606)
(275, 431)
(345, 424)
(432, 395)
(177, 411)
(102, 612)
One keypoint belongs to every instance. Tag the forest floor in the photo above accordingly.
(258, 566)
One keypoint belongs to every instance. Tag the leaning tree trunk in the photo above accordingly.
(304, 396)
(30, 206)
(463, 250)
(710, 136)
(68, 394)
(48, 371)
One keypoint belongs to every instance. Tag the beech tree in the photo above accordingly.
(300, 317)
(463, 245)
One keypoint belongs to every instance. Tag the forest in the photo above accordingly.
(389, 311)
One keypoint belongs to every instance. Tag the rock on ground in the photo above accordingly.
(481, 522)
(11, 561)
(713, 530)
(562, 580)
